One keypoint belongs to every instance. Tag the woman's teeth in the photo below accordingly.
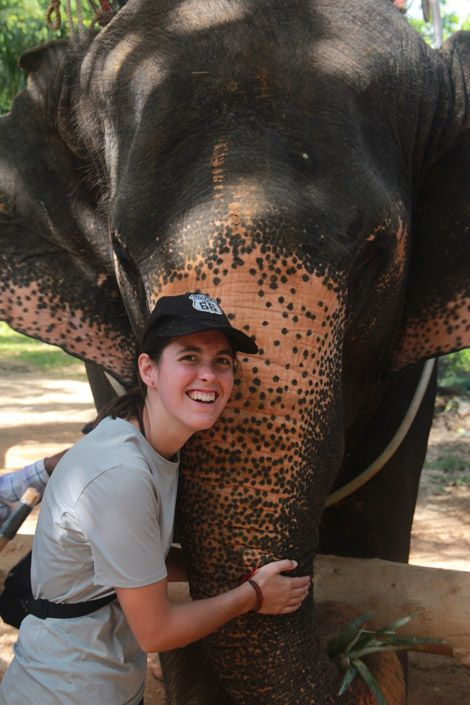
(202, 396)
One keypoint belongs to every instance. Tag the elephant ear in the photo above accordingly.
(57, 279)
(436, 317)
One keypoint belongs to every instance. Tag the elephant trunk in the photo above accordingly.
(271, 659)
(253, 487)
(236, 512)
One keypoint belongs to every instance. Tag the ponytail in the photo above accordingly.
(131, 405)
(128, 406)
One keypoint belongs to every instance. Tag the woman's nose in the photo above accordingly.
(206, 372)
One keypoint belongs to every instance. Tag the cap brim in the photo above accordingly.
(239, 340)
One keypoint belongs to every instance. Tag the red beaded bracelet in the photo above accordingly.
(259, 593)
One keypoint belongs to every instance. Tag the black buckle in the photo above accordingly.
(38, 608)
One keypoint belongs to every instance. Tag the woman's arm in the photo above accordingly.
(158, 625)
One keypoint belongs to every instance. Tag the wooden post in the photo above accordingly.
(441, 598)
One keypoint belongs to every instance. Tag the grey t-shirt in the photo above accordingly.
(106, 521)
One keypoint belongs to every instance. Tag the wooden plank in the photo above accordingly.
(441, 598)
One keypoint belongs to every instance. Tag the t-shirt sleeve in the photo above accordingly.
(118, 513)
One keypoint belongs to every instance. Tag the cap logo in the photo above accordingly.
(205, 304)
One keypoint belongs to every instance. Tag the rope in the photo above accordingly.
(102, 18)
(390, 449)
(81, 28)
(103, 15)
(53, 9)
(68, 6)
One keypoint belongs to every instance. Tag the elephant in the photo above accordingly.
(305, 163)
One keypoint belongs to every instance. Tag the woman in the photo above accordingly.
(106, 523)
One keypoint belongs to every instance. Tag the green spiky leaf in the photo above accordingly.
(401, 639)
(349, 676)
(370, 680)
(347, 636)
(397, 624)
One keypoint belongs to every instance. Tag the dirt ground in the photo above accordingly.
(42, 414)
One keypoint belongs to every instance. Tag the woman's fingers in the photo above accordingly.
(281, 593)
(289, 609)
(299, 582)
(297, 596)
(285, 564)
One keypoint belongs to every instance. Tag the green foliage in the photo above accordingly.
(456, 363)
(14, 346)
(450, 462)
(451, 23)
(454, 370)
(23, 26)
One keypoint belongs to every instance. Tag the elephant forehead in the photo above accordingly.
(262, 286)
(192, 15)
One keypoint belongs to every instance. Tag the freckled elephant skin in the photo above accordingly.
(306, 163)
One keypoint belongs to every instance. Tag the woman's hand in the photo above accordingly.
(281, 594)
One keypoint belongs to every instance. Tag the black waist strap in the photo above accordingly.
(44, 608)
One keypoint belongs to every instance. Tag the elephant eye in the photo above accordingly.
(120, 249)
(128, 275)
(370, 265)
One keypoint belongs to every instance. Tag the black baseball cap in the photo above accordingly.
(191, 313)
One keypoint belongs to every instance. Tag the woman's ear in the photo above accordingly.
(147, 370)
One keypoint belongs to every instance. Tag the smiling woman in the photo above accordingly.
(189, 387)
(106, 524)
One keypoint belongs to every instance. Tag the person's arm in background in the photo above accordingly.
(14, 484)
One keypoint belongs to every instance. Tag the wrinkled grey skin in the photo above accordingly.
(307, 163)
